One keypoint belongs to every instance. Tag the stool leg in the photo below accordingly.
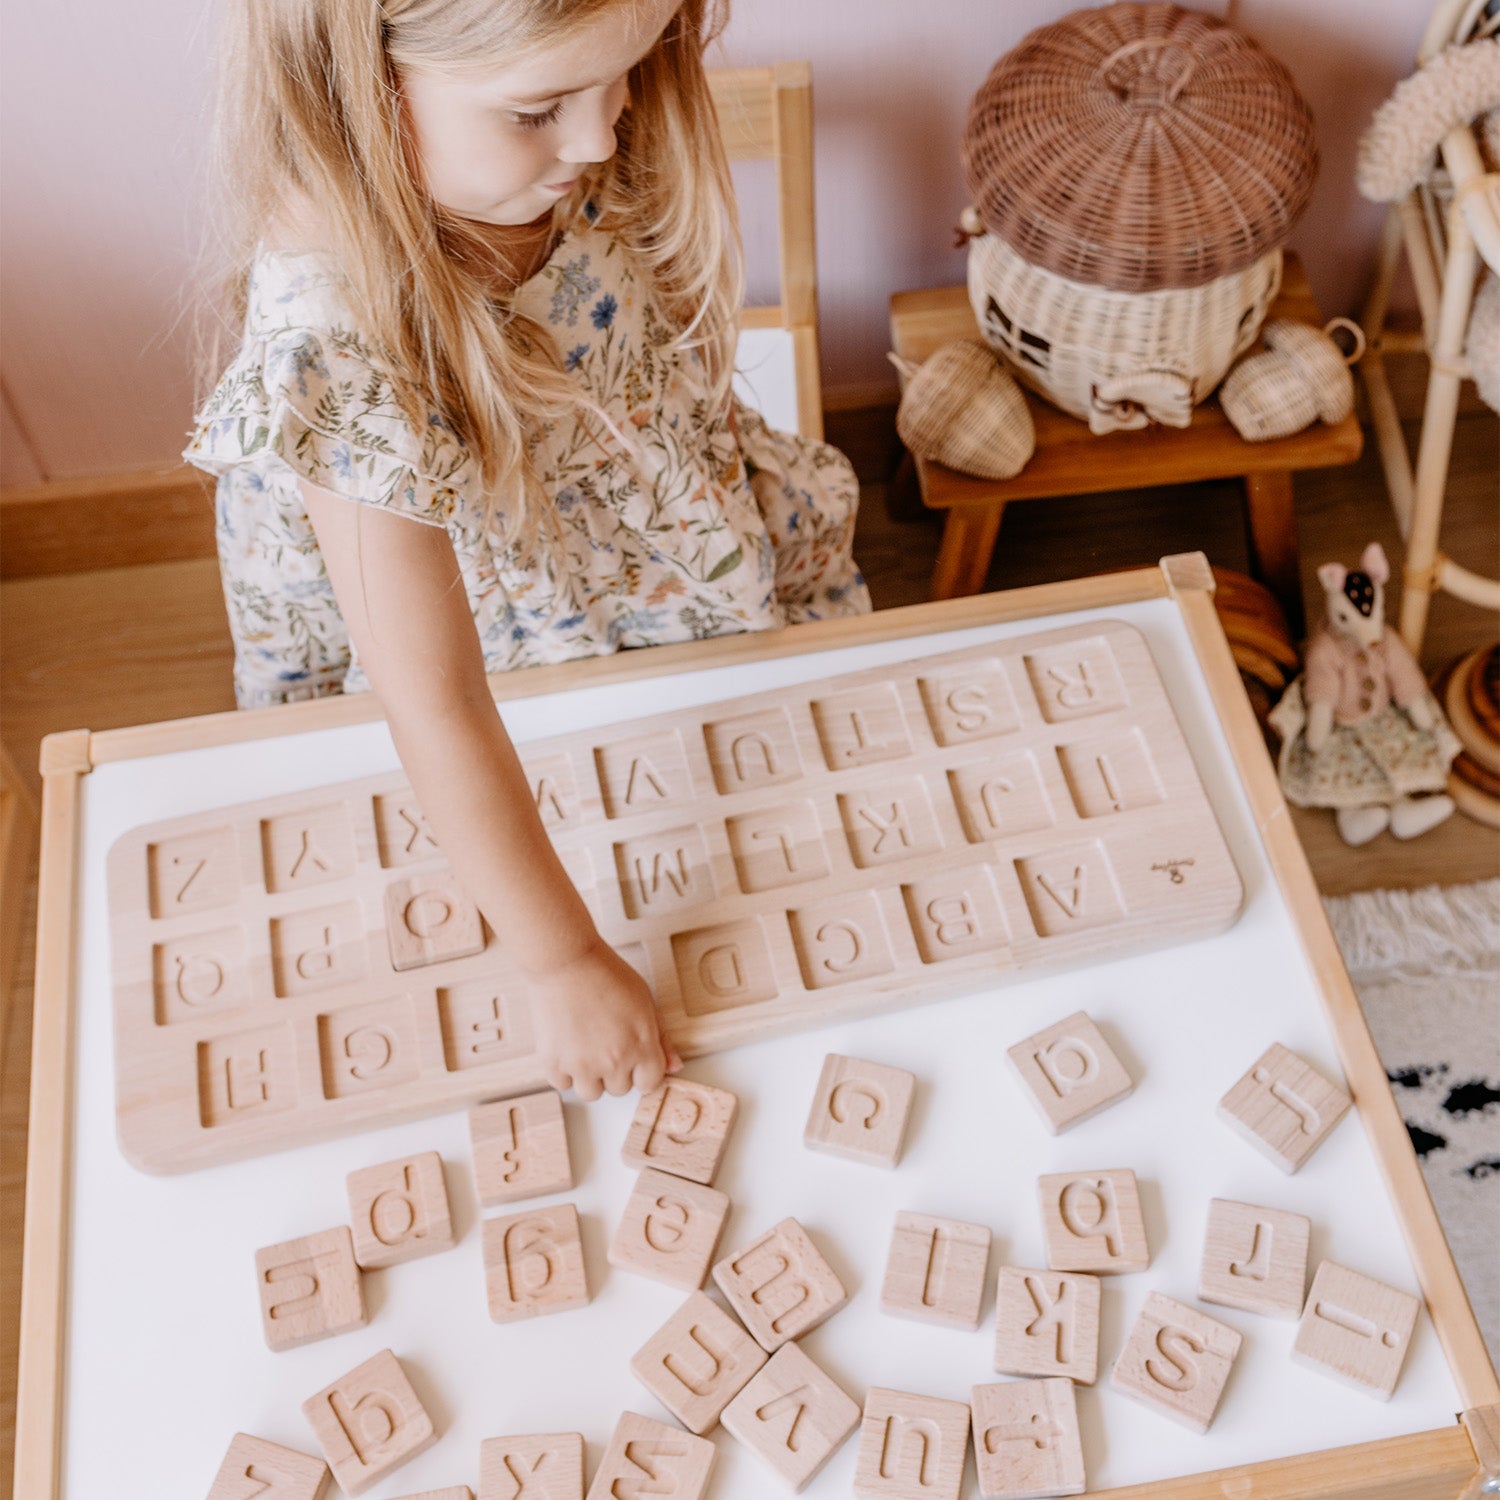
(969, 533)
(1273, 541)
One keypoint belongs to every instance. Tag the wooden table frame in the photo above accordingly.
(1072, 460)
(1437, 1465)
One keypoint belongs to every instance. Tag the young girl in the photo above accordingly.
(488, 269)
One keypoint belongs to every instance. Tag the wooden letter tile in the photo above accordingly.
(999, 798)
(316, 950)
(973, 704)
(1092, 1221)
(724, 966)
(780, 1286)
(399, 1210)
(1284, 1107)
(194, 872)
(254, 1469)
(697, 1362)
(369, 1422)
(533, 1263)
(956, 913)
(1177, 1360)
(911, 1447)
(1075, 681)
(1254, 1259)
(669, 1230)
(860, 1110)
(307, 848)
(792, 1416)
(751, 751)
(861, 727)
(483, 1021)
(935, 1271)
(428, 919)
(643, 773)
(537, 1466)
(1070, 1072)
(664, 872)
(777, 846)
(520, 1148)
(646, 1457)
(1047, 1323)
(368, 1047)
(309, 1289)
(681, 1127)
(1026, 1443)
(449, 1492)
(1356, 1328)
(1070, 889)
(1110, 775)
(841, 941)
(401, 830)
(889, 824)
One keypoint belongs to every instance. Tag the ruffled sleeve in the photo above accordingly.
(308, 392)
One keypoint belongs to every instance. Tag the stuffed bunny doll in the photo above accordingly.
(1360, 733)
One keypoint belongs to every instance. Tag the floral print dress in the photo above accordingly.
(697, 524)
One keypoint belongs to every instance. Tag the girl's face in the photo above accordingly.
(502, 144)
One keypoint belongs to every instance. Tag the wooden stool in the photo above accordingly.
(1071, 460)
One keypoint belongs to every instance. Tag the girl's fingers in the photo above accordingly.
(559, 1080)
(588, 1089)
(669, 1052)
(647, 1076)
(618, 1082)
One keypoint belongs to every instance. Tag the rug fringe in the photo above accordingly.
(1436, 930)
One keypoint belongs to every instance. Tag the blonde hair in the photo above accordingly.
(309, 111)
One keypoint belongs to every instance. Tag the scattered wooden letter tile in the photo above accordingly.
(1047, 1323)
(1356, 1328)
(254, 1467)
(911, 1447)
(429, 919)
(1254, 1259)
(1070, 1071)
(1177, 1359)
(697, 1362)
(682, 1128)
(936, 1270)
(860, 1110)
(369, 1422)
(1284, 1107)
(537, 1466)
(399, 1210)
(793, 1416)
(1092, 1221)
(780, 1286)
(646, 1457)
(533, 1263)
(451, 1492)
(520, 1148)
(669, 1230)
(309, 1289)
(1026, 1443)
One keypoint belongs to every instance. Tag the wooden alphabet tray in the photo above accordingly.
(305, 966)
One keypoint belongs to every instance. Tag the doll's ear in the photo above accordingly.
(1332, 576)
(1372, 560)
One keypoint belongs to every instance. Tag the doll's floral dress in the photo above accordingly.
(694, 525)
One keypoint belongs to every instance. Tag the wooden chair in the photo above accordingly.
(1445, 237)
(1071, 460)
(766, 113)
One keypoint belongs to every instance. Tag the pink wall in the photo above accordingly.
(102, 115)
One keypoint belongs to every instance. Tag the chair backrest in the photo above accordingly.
(766, 113)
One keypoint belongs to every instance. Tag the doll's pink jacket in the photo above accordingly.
(1359, 683)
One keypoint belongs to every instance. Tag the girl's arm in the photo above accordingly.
(400, 592)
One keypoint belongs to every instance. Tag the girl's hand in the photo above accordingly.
(597, 1027)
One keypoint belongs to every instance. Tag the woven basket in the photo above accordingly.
(962, 409)
(1139, 147)
(1300, 377)
(1116, 359)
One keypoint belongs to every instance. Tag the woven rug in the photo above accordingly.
(1426, 965)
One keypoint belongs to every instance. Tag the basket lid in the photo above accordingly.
(1138, 147)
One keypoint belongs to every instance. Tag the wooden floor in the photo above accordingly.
(134, 645)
